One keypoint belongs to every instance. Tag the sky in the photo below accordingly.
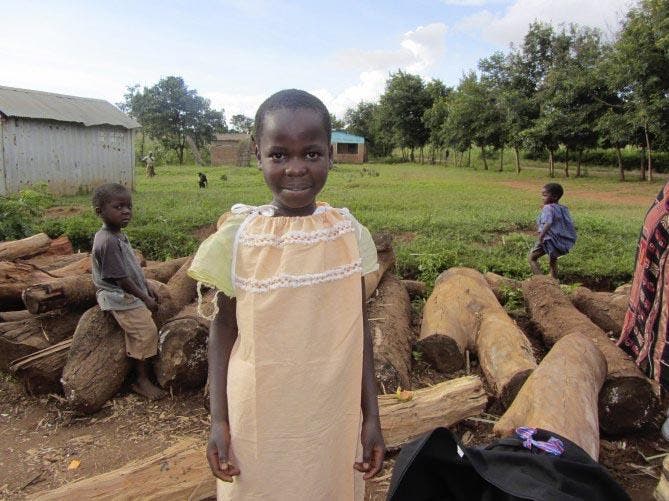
(238, 52)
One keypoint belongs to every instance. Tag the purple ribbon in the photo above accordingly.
(553, 446)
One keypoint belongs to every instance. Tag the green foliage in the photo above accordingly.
(512, 298)
(20, 214)
(242, 123)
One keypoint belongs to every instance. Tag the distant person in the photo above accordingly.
(291, 372)
(557, 234)
(122, 289)
(202, 181)
(150, 162)
(645, 329)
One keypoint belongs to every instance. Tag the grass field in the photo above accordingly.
(440, 216)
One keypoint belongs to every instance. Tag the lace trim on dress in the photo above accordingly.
(296, 237)
(294, 281)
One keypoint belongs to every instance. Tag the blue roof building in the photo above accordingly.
(348, 148)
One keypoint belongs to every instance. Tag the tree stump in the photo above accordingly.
(628, 399)
(606, 310)
(389, 315)
(41, 371)
(561, 394)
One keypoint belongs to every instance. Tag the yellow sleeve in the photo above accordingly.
(367, 247)
(212, 264)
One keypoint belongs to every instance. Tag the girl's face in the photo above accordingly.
(295, 156)
(547, 196)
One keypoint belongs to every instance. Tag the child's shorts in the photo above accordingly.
(547, 247)
(141, 333)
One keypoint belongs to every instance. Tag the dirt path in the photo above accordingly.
(635, 195)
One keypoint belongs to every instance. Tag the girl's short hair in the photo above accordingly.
(292, 99)
(554, 189)
(104, 193)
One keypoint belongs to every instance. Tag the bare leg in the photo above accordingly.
(532, 259)
(143, 384)
(552, 263)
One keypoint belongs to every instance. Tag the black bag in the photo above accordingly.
(435, 467)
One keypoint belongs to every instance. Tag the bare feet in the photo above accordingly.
(147, 389)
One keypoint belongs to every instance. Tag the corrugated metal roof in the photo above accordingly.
(339, 136)
(24, 103)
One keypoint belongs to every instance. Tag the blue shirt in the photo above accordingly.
(561, 233)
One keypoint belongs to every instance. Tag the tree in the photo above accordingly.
(402, 107)
(170, 112)
(363, 120)
(614, 131)
(241, 123)
(336, 123)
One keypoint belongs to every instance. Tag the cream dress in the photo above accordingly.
(295, 372)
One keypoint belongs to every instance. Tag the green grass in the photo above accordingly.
(441, 216)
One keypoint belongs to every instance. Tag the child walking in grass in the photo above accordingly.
(293, 393)
(557, 234)
(121, 287)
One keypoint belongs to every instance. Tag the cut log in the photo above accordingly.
(60, 246)
(14, 277)
(561, 394)
(162, 272)
(97, 365)
(386, 261)
(80, 267)
(415, 288)
(48, 263)
(443, 404)
(389, 315)
(183, 289)
(605, 309)
(41, 371)
(13, 316)
(623, 289)
(661, 492)
(24, 248)
(23, 337)
(76, 291)
(178, 473)
(628, 399)
(501, 285)
(182, 348)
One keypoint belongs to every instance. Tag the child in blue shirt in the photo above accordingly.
(557, 234)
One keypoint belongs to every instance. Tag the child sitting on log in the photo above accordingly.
(557, 234)
(292, 387)
(122, 289)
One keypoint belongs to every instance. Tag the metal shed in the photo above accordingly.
(72, 144)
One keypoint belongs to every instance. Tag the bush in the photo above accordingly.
(20, 214)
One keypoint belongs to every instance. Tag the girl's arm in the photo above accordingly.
(129, 286)
(222, 336)
(373, 448)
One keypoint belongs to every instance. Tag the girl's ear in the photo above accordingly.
(331, 155)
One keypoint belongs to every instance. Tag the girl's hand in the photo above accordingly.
(373, 448)
(217, 452)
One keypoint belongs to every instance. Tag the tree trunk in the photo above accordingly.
(650, 153)
(578, 162)
(389, 315)
(561, 395)
(49, 263)
(606, 310)
(183, 289)
(194, 150)
(386, 260)
(642, 164)
(566, 162)
(40, 372)
(24, 248)
(621, 169)
(443, 404)
(412, 157)
(177, 473)
(415, 288)
(501, 285)
(462, 313)
(551, 164)
(501, 159)
(97, 364)
(23, 337)
(515, 150)
(628, 399)
(469, 157)
(13, 316)
(79, 267)
(162, 272)
(14, 278)
(485, 162)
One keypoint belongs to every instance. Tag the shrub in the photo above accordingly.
(20, 214)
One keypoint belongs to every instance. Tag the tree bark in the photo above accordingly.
(561, 395)
(97, 364)
(40, 372)
(162, 272)
(566, 162)
(551, 164)
(14, 278)
(13, 316)
(389, 315)
(501, 159)
(578, 163)
(48, 263)
(628, 399)
(386, 260)
(443, 404)
(500, 285)
(23, 337)
(485, 162)
(24, 248)
(621, 169)
(649, 177)
(415, 288)
(606, 310)
(642, 164)
(515, 150)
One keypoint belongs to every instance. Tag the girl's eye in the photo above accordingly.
(313, 155)
(276, 156)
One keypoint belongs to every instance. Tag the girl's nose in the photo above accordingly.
(296, 168)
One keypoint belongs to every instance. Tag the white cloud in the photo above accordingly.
(235, 103)
(465, 3)
(369, 88)
(511, 25)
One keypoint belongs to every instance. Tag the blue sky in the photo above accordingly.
(237, 52)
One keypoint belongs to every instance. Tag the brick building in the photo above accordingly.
(231, 149)
(348, 148)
